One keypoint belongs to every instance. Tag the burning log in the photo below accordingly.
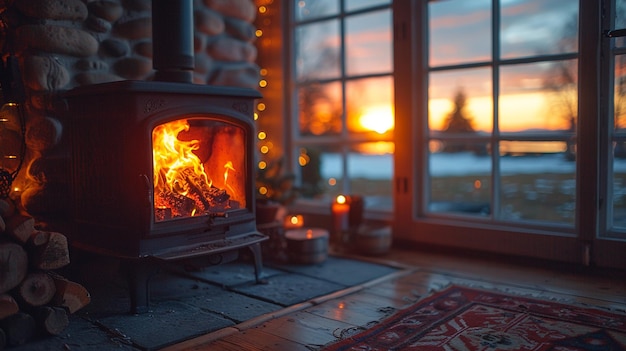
(196, 186)
(176, 205)
(200, 197)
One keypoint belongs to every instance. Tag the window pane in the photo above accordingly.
(460, 182)
(368, 43)
(310, 9)
(320, 108)
(460, 31)
(620, 21)
(538, 27)
(352, 5)
(619, 187)
(539, 96)
(321, 172)
(617, 180)
(370, 105)
(460, 101)
(538, 187)
(370, 170)
(317, 51)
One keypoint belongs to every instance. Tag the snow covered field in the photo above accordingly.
(443, 164)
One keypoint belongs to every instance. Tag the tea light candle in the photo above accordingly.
(307, 245)
(293, 222)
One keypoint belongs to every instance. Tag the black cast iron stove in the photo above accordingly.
(163, 170)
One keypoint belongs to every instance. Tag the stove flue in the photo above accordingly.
(172, 40)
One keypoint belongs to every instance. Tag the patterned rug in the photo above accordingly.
(460, 318)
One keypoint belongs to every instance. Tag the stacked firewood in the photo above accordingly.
(35, 299)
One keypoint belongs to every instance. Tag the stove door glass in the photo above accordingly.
(199, 168)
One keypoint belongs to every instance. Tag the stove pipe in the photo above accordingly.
(172, 40)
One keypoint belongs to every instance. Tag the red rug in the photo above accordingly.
(460, 318)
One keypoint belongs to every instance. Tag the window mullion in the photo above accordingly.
(495, 133)
(344, 116)
(588, 121)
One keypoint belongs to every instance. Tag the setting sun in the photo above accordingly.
(378, 119)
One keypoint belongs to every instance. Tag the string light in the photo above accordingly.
(264, 147)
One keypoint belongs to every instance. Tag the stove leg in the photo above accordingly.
(139, 273)
(258, 262)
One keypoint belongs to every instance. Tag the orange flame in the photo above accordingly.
(194, 177)
(172, 156)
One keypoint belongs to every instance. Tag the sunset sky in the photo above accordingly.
(460, 33)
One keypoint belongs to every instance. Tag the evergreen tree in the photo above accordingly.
(458, 121)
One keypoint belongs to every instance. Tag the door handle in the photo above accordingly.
(615, 33)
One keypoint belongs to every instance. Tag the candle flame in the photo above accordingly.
(341, 199)
(309, 234)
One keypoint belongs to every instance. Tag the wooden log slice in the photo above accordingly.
(69, 294)
(37, 289)
(20, 227)
(51, 320)
(48, 250)
(8, 306)
(13, 265)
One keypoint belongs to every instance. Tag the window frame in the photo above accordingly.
(345, 140)
(412, 224)
(588, 245)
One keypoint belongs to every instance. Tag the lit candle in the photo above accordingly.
(293, 222)
(340, 211)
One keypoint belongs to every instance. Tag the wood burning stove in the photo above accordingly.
(162, 170)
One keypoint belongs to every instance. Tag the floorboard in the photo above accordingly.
(338, 315)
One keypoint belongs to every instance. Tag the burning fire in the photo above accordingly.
(182, 188)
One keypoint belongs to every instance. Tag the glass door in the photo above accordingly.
(497, 128)
(611, 242)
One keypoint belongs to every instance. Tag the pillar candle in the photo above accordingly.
(340, 211)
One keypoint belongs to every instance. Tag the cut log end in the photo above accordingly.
(8, 306)
(51, 320)
(14, 263)
(69, 294)
(48, 250)
(37, 289)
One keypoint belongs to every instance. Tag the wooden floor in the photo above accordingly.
(310, 325)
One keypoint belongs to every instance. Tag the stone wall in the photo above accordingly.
(63, 44)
